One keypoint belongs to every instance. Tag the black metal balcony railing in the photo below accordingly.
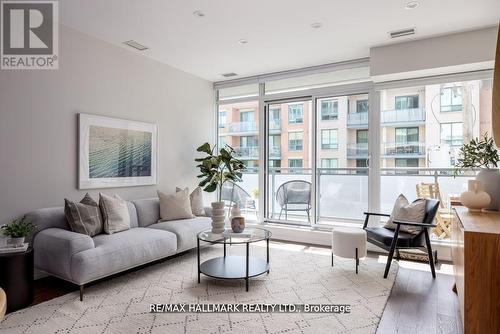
(403, 149)
(413, 115)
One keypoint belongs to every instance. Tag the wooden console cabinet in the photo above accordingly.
(476, 262)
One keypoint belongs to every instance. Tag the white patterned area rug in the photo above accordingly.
(298, 274)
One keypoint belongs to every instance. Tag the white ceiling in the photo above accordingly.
(279, 32)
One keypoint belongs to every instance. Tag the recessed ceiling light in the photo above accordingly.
(135, 45)
(316, 25)
(242, 41)
(412, 4)
(198, 13)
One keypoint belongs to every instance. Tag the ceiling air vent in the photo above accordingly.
(136, 45)
(402, 32)
(229, 75)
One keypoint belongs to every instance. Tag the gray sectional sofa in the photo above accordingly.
(81, 259)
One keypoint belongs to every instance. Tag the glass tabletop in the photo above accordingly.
(249, 234)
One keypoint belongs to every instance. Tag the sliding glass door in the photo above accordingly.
(317, 159)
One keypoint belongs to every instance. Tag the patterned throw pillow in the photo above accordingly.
(114, 213)
(196, 199)
(410, 212)
(83, 217)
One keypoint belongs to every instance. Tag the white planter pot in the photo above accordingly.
(218, 217)
(16, 242)
(475, 198)
(490, 180)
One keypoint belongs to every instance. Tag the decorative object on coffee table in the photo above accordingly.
(16, 278)
(235, 211)
(17, 231)
(217, 168)
(482, 153)
(234, 267)
(238, 224)
(218, 217)
(475, 198)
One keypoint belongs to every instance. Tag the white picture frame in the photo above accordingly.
(115, 152)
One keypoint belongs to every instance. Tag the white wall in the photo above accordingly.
(38, 122)
(460, 52)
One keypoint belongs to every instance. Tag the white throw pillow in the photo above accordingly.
(176, 206)
(409, 212)
(115, 213)
(196, 199)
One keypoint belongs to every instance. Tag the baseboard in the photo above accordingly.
(306, 235)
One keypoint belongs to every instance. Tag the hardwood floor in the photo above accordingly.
(417, 304)
(420, 304)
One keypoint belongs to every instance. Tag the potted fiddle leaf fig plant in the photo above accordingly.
(217, 167)
(482, 153)
(18, 230)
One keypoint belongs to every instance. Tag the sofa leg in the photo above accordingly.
(81, 292)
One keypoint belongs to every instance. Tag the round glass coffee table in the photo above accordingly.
(234, 267)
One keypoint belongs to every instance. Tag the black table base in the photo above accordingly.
(234, 267)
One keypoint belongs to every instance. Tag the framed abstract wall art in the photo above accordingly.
(116, 152)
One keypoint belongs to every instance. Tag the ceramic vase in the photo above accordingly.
(475, 198)
(490, 181)
(235, 211)
(237, 224)
(218, 217)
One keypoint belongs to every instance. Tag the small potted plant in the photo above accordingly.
(18, 230)
(218, 167)
(482, 153)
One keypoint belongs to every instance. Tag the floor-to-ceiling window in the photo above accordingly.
(238, 128)
(422, 129)
(342, 184)
(319, 141)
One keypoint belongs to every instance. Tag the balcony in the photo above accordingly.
(357, 151)
(405, 117)
(357, 120)
(252, 152)
(246, 128)
(342, 193)
(404, 150)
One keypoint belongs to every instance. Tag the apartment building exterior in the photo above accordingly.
(420, 127)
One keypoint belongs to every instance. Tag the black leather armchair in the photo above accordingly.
(393, 240)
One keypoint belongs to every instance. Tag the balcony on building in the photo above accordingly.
(411, 116)
(357, 151)
(403, 150)
(358, 120)
(252, 152)
(248, 128)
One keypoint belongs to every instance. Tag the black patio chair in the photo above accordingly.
(294, 196)
(393, 240)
